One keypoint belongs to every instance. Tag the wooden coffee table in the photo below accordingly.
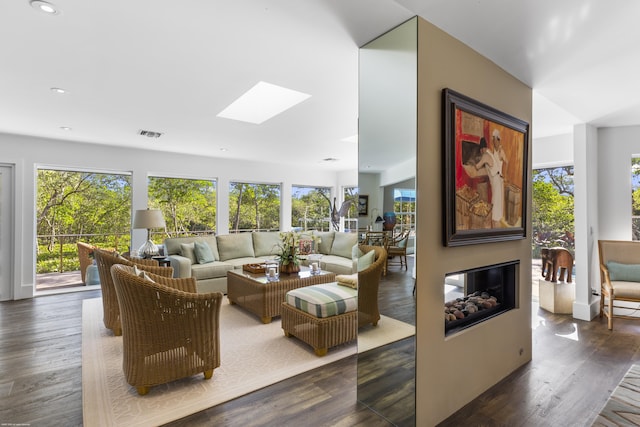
(253, 292)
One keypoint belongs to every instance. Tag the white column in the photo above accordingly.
(585, 147)
(222, 211)
(285, 206)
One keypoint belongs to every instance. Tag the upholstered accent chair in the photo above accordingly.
(104, 261)
(169, 331)
(619, 278)
(368, 284)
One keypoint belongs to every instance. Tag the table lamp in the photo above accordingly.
(377, 222)
(148, 218)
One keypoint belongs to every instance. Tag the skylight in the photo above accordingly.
(262, 102)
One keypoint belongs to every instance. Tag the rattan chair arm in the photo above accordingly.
(606, 279)
(185, 284)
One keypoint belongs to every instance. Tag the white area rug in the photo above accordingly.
(253, 356)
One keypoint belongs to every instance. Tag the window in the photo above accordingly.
(404, 206)
(635, 198)
(351, 217)
(188, 205)
(552, 209)
(254, 207)
(310, 208)
(74, 206)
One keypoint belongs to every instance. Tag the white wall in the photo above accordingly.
(605, 180)
(369, 184)
(616, 147)
(553, 151)
(29, 153)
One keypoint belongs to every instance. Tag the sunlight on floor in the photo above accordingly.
(571, 335)
(537, 321)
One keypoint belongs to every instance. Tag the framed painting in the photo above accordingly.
(363, 205)
(485, 172)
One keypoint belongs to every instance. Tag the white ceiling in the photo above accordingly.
(172, 66)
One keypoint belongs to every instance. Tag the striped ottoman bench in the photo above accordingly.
(322, 316)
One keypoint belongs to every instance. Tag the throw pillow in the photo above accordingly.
(142, 274)
(326, 240)
(624, 272)
(366, 260)
(203, 252)
(306, 247)
(147, 278)
(356, 252)
(187, 250)
(137, 271)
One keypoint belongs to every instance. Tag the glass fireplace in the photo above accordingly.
(475, 295)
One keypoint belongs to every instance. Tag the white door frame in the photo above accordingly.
(7, 227)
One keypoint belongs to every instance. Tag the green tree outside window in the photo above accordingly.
(553, 209)
(188, 205)
(254, 207)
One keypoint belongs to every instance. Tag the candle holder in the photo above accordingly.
(272, 272)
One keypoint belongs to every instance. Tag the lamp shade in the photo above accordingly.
(148, 218)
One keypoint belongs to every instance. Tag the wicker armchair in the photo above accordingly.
(84, 256)
(368, 282)
(167, 333)
(104, 260)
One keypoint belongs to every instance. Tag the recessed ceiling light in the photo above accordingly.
(58, 90)
(223, 149)
(66, 128)
(262, 102)
(45, 7)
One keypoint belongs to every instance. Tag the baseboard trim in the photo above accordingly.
(586, 311)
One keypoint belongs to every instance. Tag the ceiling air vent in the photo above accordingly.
(149, 133)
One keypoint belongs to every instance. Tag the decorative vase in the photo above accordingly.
(289, 268)
(389, 220)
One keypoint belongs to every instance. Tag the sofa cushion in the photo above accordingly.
(326, 240)
(328, 299)
(203, 252)
(210, 270)
(337, 264)
(266, 243)
(239, 245)
(239, 262)
(624, 289)
(366, 260)
(343, 244)
(187, 250)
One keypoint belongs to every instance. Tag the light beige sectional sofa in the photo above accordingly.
(232, 251)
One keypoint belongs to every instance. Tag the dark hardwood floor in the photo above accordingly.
(575, 368)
